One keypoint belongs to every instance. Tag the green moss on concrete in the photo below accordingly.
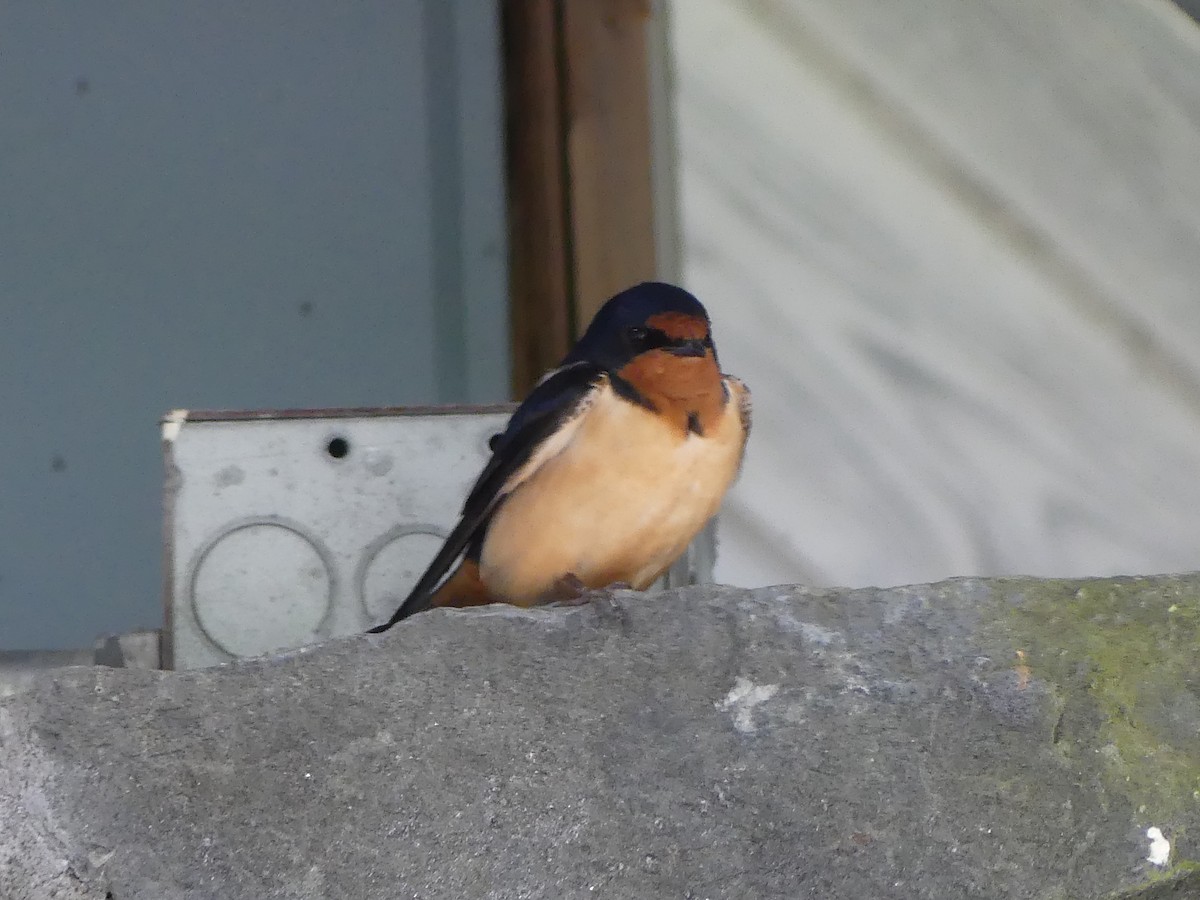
(1131, 647)
(1179, 882)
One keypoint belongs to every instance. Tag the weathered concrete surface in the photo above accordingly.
(1009, 738)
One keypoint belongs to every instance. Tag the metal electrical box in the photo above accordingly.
(288, 528)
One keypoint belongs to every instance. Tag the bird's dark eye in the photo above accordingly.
(637, 334)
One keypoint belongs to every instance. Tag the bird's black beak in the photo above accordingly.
(689, 348)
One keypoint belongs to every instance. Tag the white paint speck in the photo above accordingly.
(1160, 847)
(742, 698)
(171, 423)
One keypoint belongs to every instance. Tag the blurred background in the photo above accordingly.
(952, 245)
(955, 249)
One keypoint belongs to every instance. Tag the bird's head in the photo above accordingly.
(651, 320)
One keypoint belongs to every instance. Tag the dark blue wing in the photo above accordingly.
(554, 400)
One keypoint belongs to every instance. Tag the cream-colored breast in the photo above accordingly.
(619, 502)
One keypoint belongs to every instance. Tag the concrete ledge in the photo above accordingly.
(975, 738)
(22, 669)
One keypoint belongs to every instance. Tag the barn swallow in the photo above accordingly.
(606, 471)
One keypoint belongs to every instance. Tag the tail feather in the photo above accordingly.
(463, 588)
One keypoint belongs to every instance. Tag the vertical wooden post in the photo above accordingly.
(608, 148)
(581, 201)
(539, 281)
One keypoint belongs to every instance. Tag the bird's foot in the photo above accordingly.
(567, 589)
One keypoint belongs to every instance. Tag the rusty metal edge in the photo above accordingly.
(349, 412)
(166, 648)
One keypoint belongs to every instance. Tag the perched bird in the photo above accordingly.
(606, 471)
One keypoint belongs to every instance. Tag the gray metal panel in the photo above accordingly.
(228, 205)
(278, 536)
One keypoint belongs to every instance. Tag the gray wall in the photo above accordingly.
(953, 246)
(229, 205)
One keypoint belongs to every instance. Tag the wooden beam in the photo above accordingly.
(608, 149)
(539, 279)
(581, 200)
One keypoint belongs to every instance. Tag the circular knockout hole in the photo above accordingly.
(338, 447)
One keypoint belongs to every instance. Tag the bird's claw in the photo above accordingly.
(569, 590)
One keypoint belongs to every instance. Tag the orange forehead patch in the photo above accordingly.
(679, 325)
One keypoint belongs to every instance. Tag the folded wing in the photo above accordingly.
(539, 429)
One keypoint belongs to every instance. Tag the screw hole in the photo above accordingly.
(338, 447)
